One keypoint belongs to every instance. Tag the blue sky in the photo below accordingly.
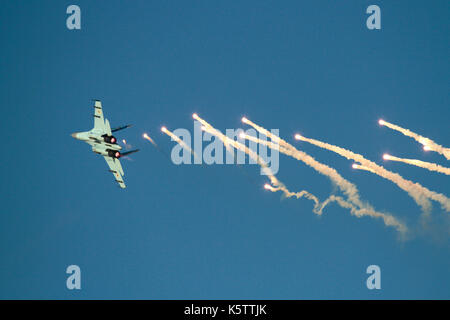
(210, 232)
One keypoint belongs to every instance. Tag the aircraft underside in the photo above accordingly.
(104, 143)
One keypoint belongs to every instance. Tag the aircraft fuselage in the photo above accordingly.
(97, 141)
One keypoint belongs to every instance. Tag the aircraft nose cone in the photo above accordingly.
(74, 135)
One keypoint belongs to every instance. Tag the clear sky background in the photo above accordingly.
(212, 232)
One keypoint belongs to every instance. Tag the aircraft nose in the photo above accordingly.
(75, 135)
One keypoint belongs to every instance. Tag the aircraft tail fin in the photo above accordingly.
(107, 127)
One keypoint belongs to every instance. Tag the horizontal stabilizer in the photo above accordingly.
(121, 128)
(129, 152)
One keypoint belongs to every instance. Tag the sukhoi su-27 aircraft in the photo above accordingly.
(104, 143)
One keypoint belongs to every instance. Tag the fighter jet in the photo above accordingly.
(104, 143)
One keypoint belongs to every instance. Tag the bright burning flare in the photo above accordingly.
(271, 188)
(146, 137)
(195, 116)
(244, 120)
(386, 156)
(298, 137)
(381, 122)
(163, 129)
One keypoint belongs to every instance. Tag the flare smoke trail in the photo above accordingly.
(423, 164)
(239, 146)
(147, 137)
(347, 187)
(420, 194)
(318, 207)
(206, 125)
(298, 195)
(360, 167)
(428, 144)
(178, 140)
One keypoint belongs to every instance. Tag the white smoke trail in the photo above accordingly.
(428, 144)
(178, 140)
(239, 146)
(347, 187)
(420, 194)
(418, 163)
(360, 167)
(147, 137)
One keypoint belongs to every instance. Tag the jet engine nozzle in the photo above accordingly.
(114, 154)
(109, 139)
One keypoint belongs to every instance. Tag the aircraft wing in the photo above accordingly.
(116, 168)
(99, 121)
